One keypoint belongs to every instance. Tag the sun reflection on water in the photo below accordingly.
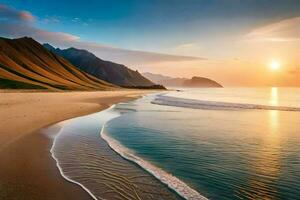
(274, 96)
(267, 159)
(273, 114)
(273, 121)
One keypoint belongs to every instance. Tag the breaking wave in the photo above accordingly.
(171, 181)
(215, 105)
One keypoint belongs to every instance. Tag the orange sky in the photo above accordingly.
(247, 60)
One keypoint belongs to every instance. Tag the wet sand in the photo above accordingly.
(22, 113)
(27, 170)
(86, 158)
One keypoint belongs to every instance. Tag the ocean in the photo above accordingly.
(218, 143)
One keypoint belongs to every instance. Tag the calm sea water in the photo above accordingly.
(236, 143)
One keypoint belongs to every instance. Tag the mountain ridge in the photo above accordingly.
(26, 63)
(197, 81)
(111, 72)
(181, 82)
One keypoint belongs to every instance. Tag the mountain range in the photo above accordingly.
(105, 70)
(181, 82)
(26, 64)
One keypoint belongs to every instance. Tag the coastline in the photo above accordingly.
(28, 172)
(22, 113)
(98, 168)
(27, 169)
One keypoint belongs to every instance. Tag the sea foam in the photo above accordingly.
(172, 182)
(215, 105)
(66, 169)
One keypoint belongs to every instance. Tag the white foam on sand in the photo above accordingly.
(54, 136)
(61, 170)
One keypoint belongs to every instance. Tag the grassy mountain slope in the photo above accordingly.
(26, 61)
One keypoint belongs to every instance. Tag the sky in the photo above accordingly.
(233, 42)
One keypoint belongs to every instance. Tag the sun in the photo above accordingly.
(275, 65)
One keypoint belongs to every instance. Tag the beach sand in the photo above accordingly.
(22, 113)
(27, 170)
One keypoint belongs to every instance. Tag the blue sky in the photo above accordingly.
(155, 25)
(192, 36)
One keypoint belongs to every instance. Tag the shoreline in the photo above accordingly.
(131, 180)
(22, 113)
(177, 186)
(27, 169)
(61, 170)
(29, 172)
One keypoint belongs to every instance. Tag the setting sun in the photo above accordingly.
(275, 65)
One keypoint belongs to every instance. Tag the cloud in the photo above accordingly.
(294, 70)
(51, 19)
(10, 13)
(20, 30)
(186, 48)
(16, 24)
(130, 57)
(283, 31)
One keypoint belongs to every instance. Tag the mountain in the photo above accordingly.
(156, 78)
(165, 80)
(105, 70)
(200, 82)
(174, 82)
(181, 82)
(26, 64)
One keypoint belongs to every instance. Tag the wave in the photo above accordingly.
(215, 105)
(172, 182)
(64, 168)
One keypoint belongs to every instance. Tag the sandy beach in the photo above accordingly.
(23, 113)
(27, 170)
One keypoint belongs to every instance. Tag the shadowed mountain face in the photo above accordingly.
(26, 64)
(108, 71)
(181, 82)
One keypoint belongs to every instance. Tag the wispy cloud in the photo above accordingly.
(21, 30)
(283, 31)
(189, 48)
(132, 57)
(10, 13)
(51, 19)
